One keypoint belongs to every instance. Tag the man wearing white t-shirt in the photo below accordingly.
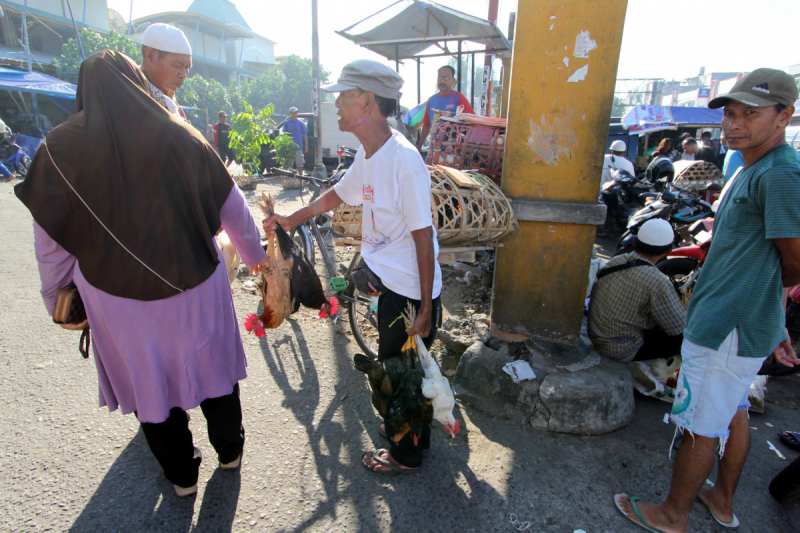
(388, 178)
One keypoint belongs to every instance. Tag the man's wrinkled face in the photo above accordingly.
(352, 109)
(293, 115)
(445, 80)
(167, 72)
(749, 127)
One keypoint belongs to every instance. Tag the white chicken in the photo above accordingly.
(435, 386)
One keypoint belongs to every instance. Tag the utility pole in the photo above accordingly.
(486, 92)
(319, 168)
(34, 103)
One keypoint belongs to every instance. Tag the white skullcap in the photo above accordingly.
(656, 232)
(167, 39)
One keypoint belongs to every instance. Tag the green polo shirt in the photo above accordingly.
(740, 284)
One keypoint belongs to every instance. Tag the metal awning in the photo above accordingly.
(408, 27)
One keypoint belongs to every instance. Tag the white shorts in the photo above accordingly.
(299, 159)
(712, 386)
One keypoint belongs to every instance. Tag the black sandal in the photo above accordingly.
(395, 470)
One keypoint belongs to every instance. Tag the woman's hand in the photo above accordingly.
(76, 327)
(255, 269)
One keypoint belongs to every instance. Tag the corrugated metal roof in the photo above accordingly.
(220, 10)
(409, 27)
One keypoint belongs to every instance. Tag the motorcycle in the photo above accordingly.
(14, 157)
(346, 158)
(624, 194)
(681, 210)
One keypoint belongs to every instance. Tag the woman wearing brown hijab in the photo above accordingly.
(126, 200)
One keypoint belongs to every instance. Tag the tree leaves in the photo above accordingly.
(70, 62)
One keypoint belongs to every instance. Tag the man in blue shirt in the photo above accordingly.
(736, 316)
(446, 100)
(299, 132)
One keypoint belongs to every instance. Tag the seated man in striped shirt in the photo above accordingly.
(635, 313)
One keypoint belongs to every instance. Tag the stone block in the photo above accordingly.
(590, 402)
(481, 382)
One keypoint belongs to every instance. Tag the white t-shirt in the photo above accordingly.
(394, 189)
(687, 157)
(615, 161)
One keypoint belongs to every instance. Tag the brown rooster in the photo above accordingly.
(288, 280)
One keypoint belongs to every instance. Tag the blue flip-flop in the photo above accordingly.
(641, 523)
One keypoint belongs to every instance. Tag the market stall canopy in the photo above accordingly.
(649, 118)
(35, 82)
(408, 27)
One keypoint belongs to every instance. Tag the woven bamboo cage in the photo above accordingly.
(696, 175)
(468, 147)
(467, 207)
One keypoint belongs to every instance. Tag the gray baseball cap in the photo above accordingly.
(369, 76)
(764, 87)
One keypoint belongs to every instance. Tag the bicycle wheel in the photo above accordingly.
(363, 320)
(304, 241)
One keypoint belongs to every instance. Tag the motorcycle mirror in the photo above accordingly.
(714, 187)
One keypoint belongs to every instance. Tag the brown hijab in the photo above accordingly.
(152, 180)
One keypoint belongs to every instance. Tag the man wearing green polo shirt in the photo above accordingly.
(736, 317)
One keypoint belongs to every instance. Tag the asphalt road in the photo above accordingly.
(67, 465)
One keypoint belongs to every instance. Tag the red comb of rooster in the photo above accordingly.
(329, 309)
(453, 429)
(254, 325)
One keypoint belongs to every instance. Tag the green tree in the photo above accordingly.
(285, 85)
(248, 134)
(69, 64)
(618, 108)
(204, 94)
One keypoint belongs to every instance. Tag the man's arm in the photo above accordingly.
(423, 242)
(426, 129)
(790, 261)
(326, 202)
(305, 143)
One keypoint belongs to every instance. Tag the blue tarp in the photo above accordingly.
(648, 118)
(696, 116)
(35, 82)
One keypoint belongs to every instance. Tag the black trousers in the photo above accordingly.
(171, 440)
(227, 154)
(658, 345)
(390, 344)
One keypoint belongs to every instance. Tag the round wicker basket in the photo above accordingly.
(467, 207)
(696, 175)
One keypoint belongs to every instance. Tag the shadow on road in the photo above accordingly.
(134, 496)
(447, 493)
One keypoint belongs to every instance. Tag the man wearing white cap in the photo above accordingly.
(166, 60)
(616, 159)
(398, 240)
(635, 313)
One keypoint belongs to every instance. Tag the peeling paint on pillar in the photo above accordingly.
(555, 140)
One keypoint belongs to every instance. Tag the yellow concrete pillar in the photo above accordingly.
(563, 73)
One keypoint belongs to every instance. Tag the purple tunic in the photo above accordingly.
(177, 352)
